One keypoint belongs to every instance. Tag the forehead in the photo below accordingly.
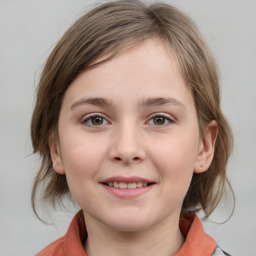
(148, 69)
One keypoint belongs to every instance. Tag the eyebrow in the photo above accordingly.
(101, 102)
(158, 101)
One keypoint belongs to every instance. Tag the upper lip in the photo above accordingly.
(127, 179)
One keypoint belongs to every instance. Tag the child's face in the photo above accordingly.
(131, 120)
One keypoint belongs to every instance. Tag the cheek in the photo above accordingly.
(175, 161)
(177, 153)
(81, 158)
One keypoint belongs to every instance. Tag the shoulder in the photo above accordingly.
(71, 243)
(54, 249)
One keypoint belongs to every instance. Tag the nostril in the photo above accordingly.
(121, 159)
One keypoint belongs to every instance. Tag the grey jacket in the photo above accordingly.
(219, 252)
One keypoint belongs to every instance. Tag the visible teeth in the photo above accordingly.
(139, 184)
(123, 185)
(132, 185)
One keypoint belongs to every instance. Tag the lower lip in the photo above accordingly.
(128, 193)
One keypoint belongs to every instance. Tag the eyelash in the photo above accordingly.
(161, 115)
(90, 117)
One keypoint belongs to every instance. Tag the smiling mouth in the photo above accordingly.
(130, 185)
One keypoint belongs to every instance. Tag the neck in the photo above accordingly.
(163, 239)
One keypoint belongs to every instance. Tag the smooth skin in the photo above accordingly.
(131, 117)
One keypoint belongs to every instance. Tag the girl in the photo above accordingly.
(128, 122)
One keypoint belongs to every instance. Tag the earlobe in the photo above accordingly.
(57, 163)
(206, 148)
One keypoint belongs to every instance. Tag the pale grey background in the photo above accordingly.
(28, 31)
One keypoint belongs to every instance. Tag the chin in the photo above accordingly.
(130, 223)
(129, 227)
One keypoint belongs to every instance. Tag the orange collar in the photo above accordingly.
(197, 242)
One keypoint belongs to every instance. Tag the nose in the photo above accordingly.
(127, 146)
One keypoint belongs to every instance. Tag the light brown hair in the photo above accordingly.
(108, 30)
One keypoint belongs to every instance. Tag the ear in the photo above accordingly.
(57, 163)
(206, 148)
